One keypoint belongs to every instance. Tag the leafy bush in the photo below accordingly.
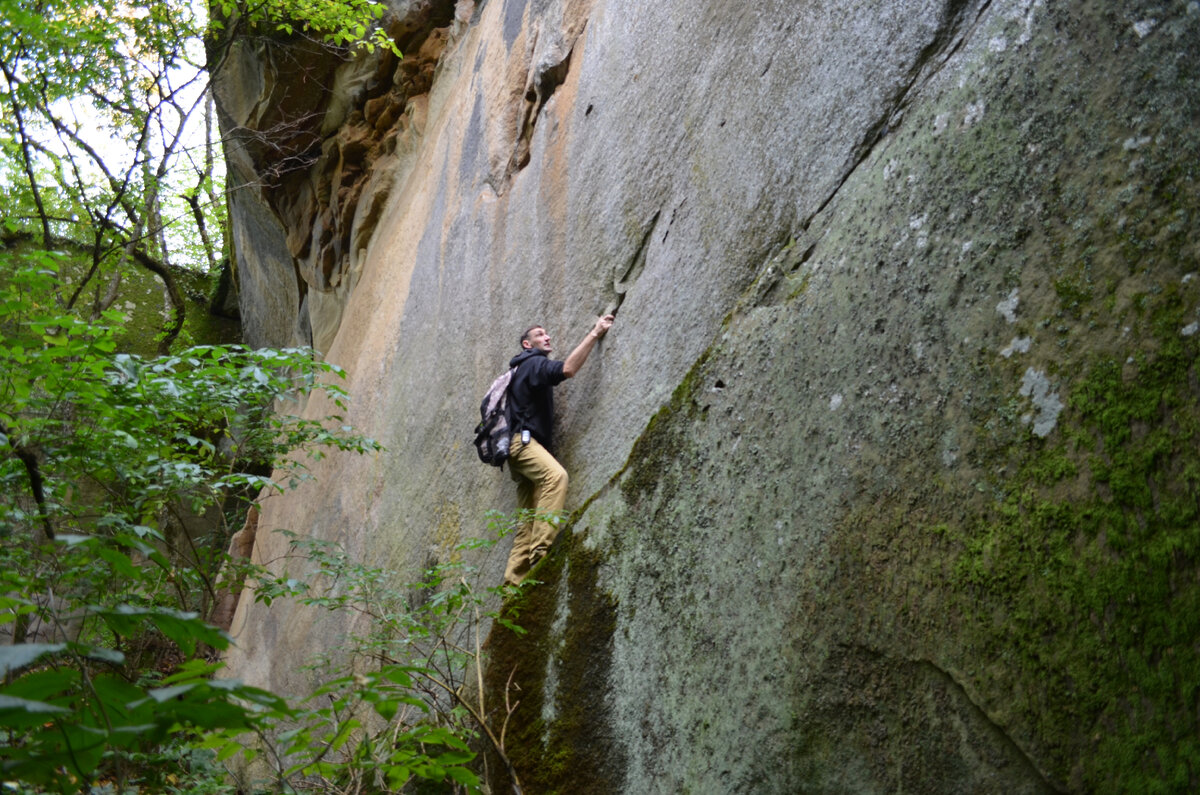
(411, 705)
(106, 462)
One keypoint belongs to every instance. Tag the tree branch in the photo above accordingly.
(34, 471)
(27, 159)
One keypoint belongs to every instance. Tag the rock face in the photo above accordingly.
(886, 478)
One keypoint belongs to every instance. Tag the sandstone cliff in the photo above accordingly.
(886, 478)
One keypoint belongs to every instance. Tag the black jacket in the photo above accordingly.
(531, 395)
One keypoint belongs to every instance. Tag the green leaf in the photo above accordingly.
(111, 656)
(21, 655)
(116, 691)
(87, 747)
(344, 734)
(11, 703)
(44, 684)
(120, 563)
(161, 694)
(212, 714)
(398, 776)
(463, 776)
(125, 439)
(454, 758)
(120, 622)
(193, 670)
(228, 751)
(187, 630)
(398, 675)
(147, 532)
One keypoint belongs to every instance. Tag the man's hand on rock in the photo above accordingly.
(602, 326)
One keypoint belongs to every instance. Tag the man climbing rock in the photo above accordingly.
(541, 480)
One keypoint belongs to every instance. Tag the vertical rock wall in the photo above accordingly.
(885, 478)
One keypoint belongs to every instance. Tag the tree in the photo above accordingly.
(106, 134)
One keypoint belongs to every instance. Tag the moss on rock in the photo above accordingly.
(556, 672)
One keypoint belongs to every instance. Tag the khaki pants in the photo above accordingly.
(541, 494)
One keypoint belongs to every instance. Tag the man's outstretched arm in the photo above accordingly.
(579, 355)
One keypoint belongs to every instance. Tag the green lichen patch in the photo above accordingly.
(664, 438)
(1072, 600)
(1097, 597)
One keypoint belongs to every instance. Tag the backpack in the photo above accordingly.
(493, 434)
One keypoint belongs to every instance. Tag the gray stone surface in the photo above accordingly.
(865, 258)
